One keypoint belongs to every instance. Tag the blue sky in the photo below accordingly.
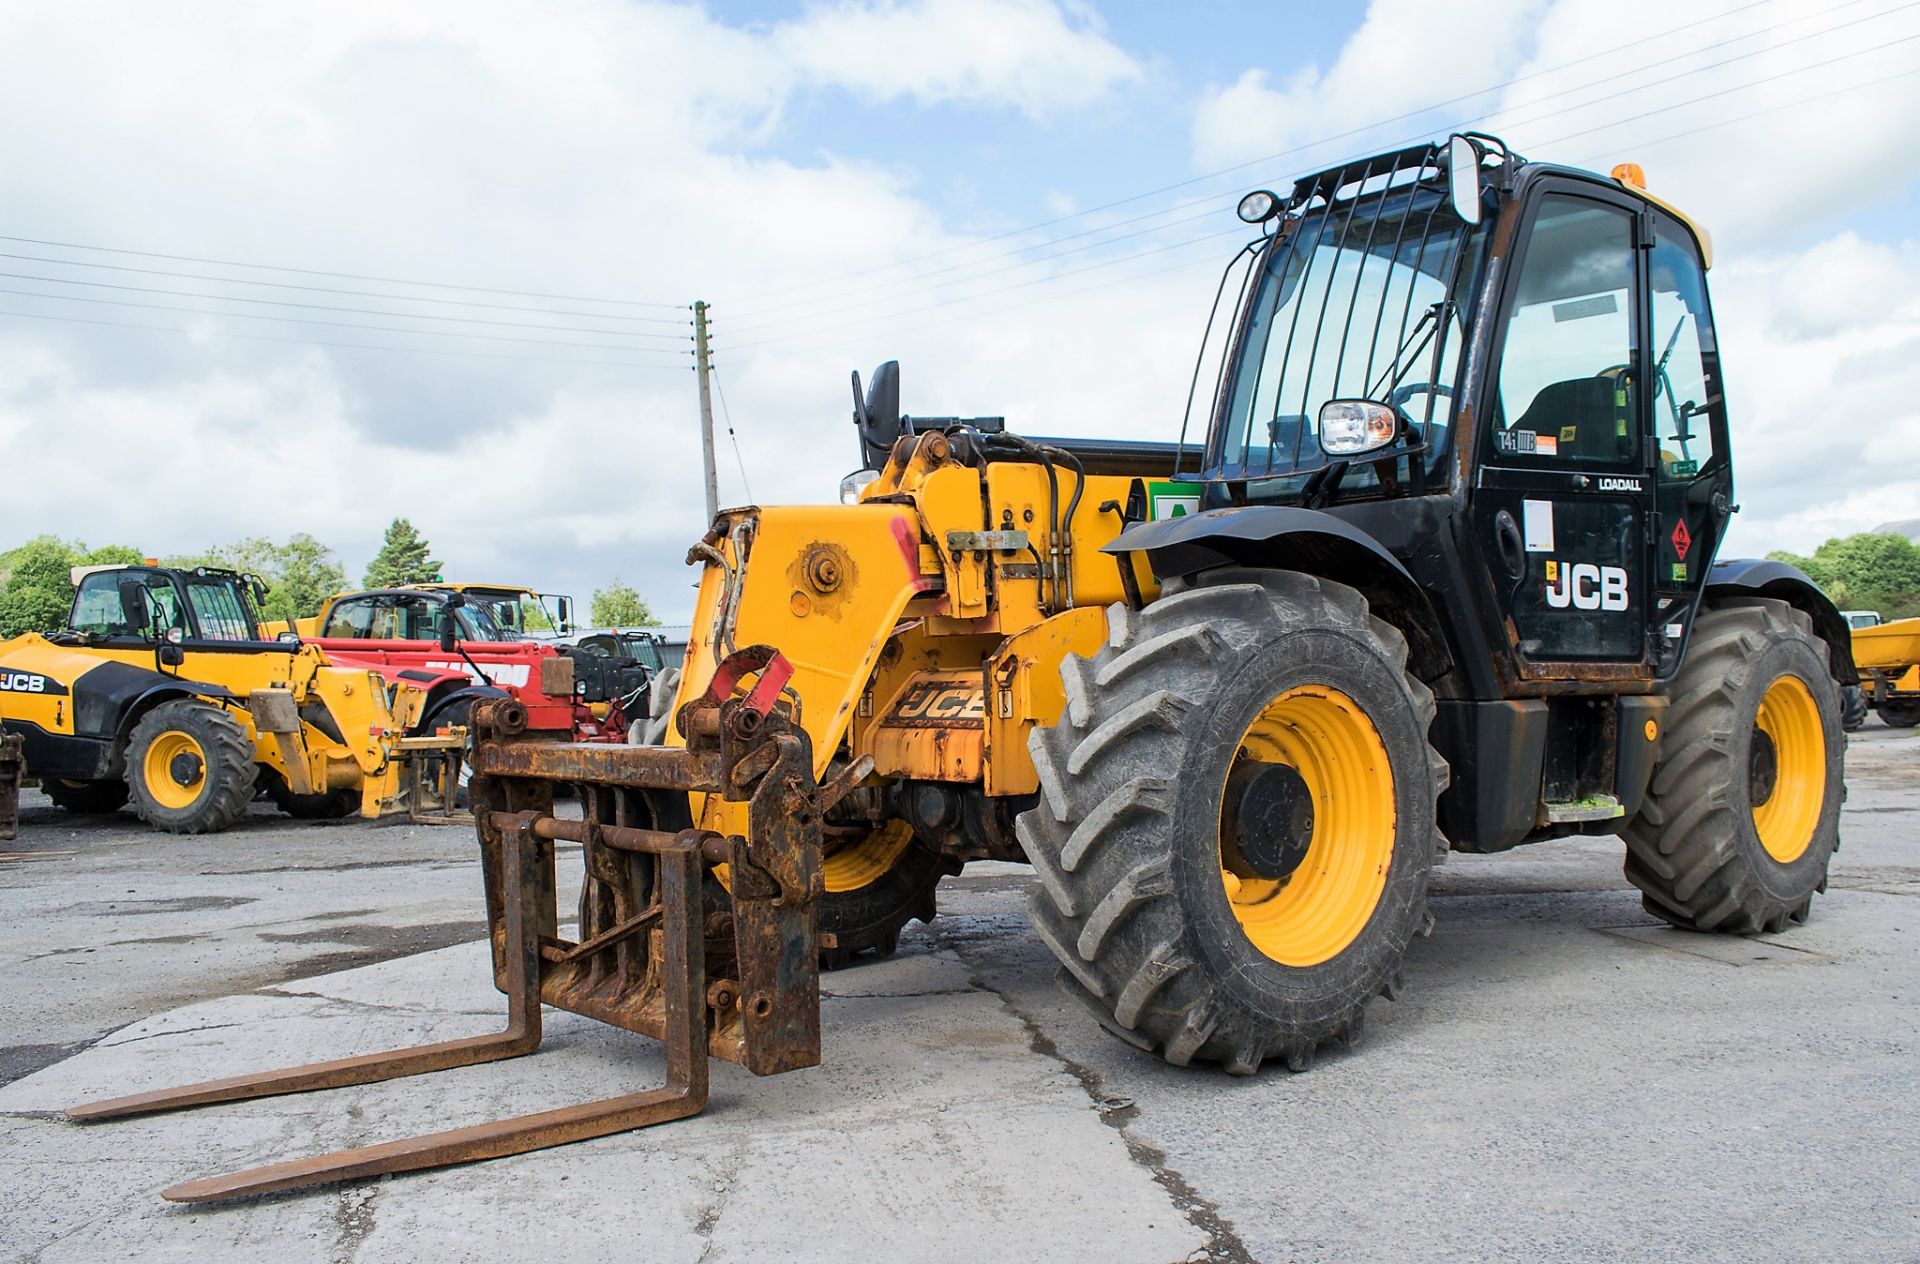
(797, 164)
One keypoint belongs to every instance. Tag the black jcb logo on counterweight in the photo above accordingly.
(940, 704)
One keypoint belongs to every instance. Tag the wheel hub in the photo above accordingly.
(185, 769)
(1763, 767)
(1269, 821)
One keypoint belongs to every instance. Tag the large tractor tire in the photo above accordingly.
(1236, 819)
(875, 886)
(190, 768)
(86, 798)
(1743, 812)
(1902, 714)
(330, 805)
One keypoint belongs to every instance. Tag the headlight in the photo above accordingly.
(853, 484)
(1351, 426)
(1258, 207)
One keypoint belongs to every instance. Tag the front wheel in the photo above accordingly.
(1236, 819)
(190, 768)
(1743, 812)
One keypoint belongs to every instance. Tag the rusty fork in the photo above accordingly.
(743, 985)
(684, 1094)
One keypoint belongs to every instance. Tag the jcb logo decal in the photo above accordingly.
(940, 704)
(30, 682)
(1584, 586)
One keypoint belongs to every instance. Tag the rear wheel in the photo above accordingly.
(190, 768)
(332, 805)
(1236, 819)
(86, 798)
(1743, 813)
(876, 885)
(1903, 714)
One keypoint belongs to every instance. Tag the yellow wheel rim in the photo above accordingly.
(857, 864)
(1786, 813)
(1313, 913)
(158, 772)
(866, 861)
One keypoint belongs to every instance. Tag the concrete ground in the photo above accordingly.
(1564, 1078)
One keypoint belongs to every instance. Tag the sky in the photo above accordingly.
(278, 268)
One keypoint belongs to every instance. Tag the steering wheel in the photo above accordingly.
(1397, 399)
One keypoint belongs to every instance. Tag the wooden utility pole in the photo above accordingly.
(704, 363)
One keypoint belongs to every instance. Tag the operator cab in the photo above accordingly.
(204, 605)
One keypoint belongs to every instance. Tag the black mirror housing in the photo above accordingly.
(877, 416)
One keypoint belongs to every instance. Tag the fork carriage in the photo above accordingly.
(728, 970)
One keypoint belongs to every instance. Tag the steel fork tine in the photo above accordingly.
(522, 1034)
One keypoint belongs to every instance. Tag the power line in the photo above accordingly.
(347, 276)
(350, 346)
(327, 289)
(329, 307)
(339, 324)
(728, 414)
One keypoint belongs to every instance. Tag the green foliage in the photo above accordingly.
(1868, 571)
(618, 605)
(38, 585)
(402, 558)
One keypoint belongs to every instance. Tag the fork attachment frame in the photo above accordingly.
(730, 972)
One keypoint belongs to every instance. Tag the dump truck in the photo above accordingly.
(1888, 656)
(1435, 571)
(163, 689)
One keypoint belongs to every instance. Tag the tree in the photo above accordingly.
(402, 558)
(1868, 571)
(38, 590)
(618, 605)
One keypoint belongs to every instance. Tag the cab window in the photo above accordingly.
(1565, 386)
(217, 609)
(97, 607)
(350, 619)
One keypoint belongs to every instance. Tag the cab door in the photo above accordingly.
(1562, 501)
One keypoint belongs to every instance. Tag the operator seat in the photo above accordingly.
(1585, 417)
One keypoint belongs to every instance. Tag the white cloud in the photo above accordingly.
(1026, 54)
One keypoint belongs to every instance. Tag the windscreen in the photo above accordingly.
(1355, 299)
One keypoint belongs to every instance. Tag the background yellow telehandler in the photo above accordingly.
(164, 690)
(1439, 575)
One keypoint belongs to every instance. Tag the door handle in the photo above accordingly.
(1513, 547)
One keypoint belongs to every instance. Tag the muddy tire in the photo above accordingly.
(332, 805)
(190, 768)
(1236, 819)
(86, 798)
(1743, 813)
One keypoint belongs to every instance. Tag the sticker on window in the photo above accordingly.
(1546, 445)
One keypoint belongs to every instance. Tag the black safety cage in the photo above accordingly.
(1353, 244)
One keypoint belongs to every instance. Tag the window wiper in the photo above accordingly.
(1422, 333)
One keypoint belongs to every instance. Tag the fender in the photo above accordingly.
(1305, 540)
(439, 705)
(1764, 577)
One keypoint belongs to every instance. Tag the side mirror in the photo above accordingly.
(447, 630)
(1349, 427)
(877, 414)
(1463, 178)
(565, 608)
(134, 605)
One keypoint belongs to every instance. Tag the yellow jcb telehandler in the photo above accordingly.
(1439, 574)
(164, 690)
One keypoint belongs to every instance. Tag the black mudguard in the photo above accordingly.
(1764, 577)
(1305, 540)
